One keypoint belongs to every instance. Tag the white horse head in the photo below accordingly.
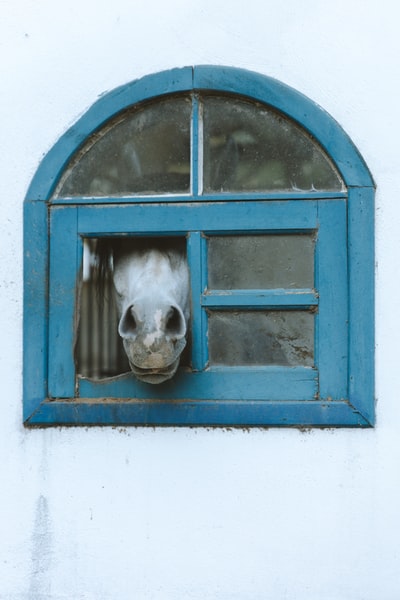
(152, 292)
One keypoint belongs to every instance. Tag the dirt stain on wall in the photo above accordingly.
(41, 552)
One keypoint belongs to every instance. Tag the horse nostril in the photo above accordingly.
(173, 320)
(128, 324)
(174, 325)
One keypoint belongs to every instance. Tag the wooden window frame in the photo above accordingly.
(339, 393)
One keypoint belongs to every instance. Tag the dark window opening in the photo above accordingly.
(99, 351)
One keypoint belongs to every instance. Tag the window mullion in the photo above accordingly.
(198, 277)
(197, 147)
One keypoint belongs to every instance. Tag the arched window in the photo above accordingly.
(271, 206)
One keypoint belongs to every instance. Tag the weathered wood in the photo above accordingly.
(338, 392)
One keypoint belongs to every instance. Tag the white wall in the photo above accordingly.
(171, 514)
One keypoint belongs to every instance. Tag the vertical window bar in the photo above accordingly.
(78, 291)
(332, 318)
(197, 147)
(196, 260)
(65, 261)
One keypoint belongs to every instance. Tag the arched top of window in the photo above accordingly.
(268, 207)
(200, 130)
(243, 146)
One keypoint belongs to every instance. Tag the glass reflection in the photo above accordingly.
(261, 262)
(248, 147)
(147, 150)
(261, 338)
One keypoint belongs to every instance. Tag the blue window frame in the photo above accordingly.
(333, 385)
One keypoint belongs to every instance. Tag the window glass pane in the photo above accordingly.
(261, 338)
(261, 262)
(147, 150)
(248, 147)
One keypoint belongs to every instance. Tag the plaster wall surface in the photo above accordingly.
(170, 514)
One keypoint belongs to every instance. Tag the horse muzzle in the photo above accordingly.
(154, 375)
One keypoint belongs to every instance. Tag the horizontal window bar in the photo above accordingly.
(319, 413)
(222, 197)
(219, 383)
(208, 217)
(259, 298)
